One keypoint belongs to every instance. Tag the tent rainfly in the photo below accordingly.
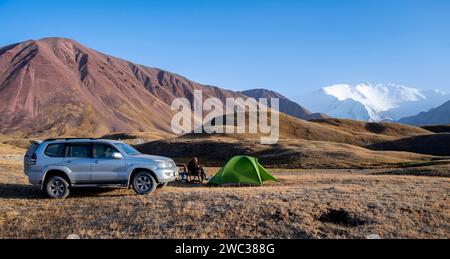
(242, 170)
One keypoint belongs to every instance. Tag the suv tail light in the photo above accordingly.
(33, 159)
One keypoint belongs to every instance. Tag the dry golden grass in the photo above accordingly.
(442, 170)
(10, 155)
(374, 131)
(330, 130)
(14, 141)
(138, 137)
(285, 154)
(10, 150)
(393, 206)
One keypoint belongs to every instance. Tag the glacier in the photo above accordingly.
(372, 102)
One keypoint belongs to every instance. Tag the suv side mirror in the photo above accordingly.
(117, 155)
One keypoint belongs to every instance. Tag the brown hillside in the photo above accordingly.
(302, 144)
(286, 106)
(436, 144)
(438, 128)
(285, 154)
(332, 130)
(57, 86)
(374, 131)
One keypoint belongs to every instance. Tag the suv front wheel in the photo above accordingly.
(57, 188)
(144, 183)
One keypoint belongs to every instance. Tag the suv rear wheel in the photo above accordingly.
(144, 183)
(57, 188)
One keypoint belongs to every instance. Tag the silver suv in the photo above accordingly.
(58, 165)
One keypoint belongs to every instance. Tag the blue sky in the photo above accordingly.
(292, 46)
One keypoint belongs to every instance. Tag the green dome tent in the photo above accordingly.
(242, 170)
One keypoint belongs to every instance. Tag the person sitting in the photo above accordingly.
(196, 171)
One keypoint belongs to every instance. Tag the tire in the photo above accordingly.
(57, 187)
(162, 186)
(144, 183)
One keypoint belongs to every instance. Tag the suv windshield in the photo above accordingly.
(129, 150)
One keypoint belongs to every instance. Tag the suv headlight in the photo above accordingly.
(165, 164)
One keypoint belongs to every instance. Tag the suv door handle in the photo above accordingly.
(96, 162)
(68, 161)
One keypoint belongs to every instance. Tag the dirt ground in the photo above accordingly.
(305, 204)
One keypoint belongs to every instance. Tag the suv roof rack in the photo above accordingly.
(54, 139)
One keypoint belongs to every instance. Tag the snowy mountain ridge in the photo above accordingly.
(368, 102)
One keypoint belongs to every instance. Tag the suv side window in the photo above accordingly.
(103, 151)
(55, 150)
(78, 150)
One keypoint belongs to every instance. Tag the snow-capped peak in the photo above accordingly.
(372, 102)
(377, 97)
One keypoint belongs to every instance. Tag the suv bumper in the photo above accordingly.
(167, 175)
(34, 177)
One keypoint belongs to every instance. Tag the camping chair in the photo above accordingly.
(197, 174)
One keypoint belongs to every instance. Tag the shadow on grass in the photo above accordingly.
(28, 192)
(415, 172)
(20, 192)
